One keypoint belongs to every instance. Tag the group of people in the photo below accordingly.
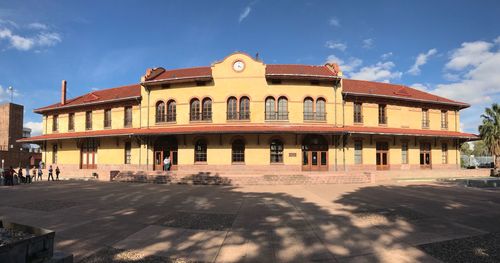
(11, 176)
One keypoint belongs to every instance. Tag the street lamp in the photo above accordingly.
(11, 91)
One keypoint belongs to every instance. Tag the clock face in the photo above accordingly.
(239, 66)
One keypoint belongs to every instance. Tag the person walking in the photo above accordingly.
(12, 173)
(50, 173)
(22, 179)
(28, 176)
(40, 173)
(57, 173)
(167, 163)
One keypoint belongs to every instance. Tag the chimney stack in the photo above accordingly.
(63, 92)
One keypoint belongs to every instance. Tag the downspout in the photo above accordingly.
(147, 141)
(343, 125)
(335, 87)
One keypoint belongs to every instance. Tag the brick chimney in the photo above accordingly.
(63, 92)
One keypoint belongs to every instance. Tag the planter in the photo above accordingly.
(21, 243)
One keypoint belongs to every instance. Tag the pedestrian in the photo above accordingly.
(12, 172)
(7, 177)
(50, 173)
(28, 176)
(57, 173)
(34, 173)
(40, 173)
(22, 179)
(167, 163)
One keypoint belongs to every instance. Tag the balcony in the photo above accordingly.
(201, 116)
(314, 116)
(238, 116)
(276, 116)
(425, 124)
(166, 118)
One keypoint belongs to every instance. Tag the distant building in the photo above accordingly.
(13, 153)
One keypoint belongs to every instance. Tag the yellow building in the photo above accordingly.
(240, 115)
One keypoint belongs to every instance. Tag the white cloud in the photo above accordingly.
(245, 13)
(470, 54)
(336, 45)
(24, 43)
(497, 40)
(334, 22)
(368, 43)
(382, 71)
(420, 61)
(386, 55)
(346, 66)
(421, 86)
(38, 26)
(36, 127)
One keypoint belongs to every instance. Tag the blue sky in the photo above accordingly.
(451, 48)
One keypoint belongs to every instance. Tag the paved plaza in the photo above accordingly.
(128, 222)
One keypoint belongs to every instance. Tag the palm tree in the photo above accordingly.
(489, 131)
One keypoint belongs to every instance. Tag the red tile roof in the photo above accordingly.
(98, 96)
(371, 88)
(182, 74)
(278, 128)
(290, 70)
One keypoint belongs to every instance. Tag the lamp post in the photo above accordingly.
(11, 91)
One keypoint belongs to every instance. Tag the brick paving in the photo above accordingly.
(130, 222)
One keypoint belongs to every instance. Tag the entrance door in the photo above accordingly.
(425, 156)
(314, 153)
(165, 147)
(382, 155)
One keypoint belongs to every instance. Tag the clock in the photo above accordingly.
(238, 66)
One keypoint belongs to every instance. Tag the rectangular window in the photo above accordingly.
(444, 119)
(88, 154)
(382, 114)
(444, 153)
(358, 152)
(71, 122)
(128, 152)
(107, 118)
(55, 123)
(425, 118)
(358, 117)
(54, 153)
(128, 116)
(404, 153)
(88, 120)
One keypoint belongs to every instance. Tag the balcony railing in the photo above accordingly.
(200, 116)
(425, 124)
(276, 115)
(245, 115)
(382, 120)
(107, 123)
(358, 118)
(444, 125)
(165, 118)
(314, 116)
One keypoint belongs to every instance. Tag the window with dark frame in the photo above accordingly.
(276, 148)
(71, 122)
(232, 108)
(107, 118)
(308, 109)
(160, 112)
(200, 151)
(55, 123)
(88, 120)
(244, 108)
(404, 153)
(444, 153)
(238, 151)
(358, 113)
(425, 118)
(54, 153)
(358, 152)
(382, 114)
(444, 119)
(207, 110)
(171, 111)
(320, 114)
(282, 108)
(270, 108)
(128, 152)
(194, 110)
(128, 116)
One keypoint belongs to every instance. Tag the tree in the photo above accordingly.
(480, 149)
(489, 131)
(465, 149)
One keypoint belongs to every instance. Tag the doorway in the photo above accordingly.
(425, 156)
(382, 152)
(314, 153)
(165, 147)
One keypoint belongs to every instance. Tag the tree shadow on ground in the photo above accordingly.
(119, 222)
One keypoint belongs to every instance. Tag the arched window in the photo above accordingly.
(195, 110)
(282, 108)
(160, 111)
(320, 109)
(308, 109)
(207, 110)
(232, 109)
(171, 111)
(276, 148)
(238, 151)
(244, 108)
(200, 151)
(270, 108)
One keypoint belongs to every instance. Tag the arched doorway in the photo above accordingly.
(165, 147)
(314, 153)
